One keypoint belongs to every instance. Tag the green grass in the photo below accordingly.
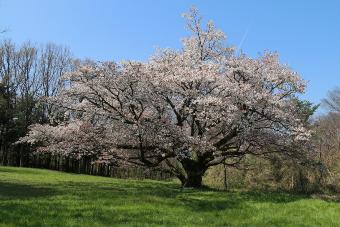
(33, 197)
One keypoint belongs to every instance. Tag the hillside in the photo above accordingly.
(34, 197)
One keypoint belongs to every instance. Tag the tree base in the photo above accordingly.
(192, 182)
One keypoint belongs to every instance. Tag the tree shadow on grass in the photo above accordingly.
(168, 194)
(130, 188)
(216, 201)
(201, 205)
(199, 200)
(22, 191)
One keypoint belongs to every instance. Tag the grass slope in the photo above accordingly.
(33, 197)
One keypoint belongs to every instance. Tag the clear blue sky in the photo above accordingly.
(305, 33)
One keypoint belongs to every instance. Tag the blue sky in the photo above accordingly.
(305, 33)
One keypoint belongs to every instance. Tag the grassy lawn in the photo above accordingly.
(33, 197)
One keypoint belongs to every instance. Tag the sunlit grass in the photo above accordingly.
(32, 197)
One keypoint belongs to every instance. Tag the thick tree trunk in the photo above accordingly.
(194, 172)
(193, 181)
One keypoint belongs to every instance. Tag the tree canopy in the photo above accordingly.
(184, 110)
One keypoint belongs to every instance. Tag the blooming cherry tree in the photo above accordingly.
(186, 110)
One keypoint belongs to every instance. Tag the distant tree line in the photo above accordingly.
(27, 73)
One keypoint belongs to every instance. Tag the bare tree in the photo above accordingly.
(8, 71)
(332, 102)
(27, 73)
(53, 63)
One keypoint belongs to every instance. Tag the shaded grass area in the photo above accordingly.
(34, 197)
